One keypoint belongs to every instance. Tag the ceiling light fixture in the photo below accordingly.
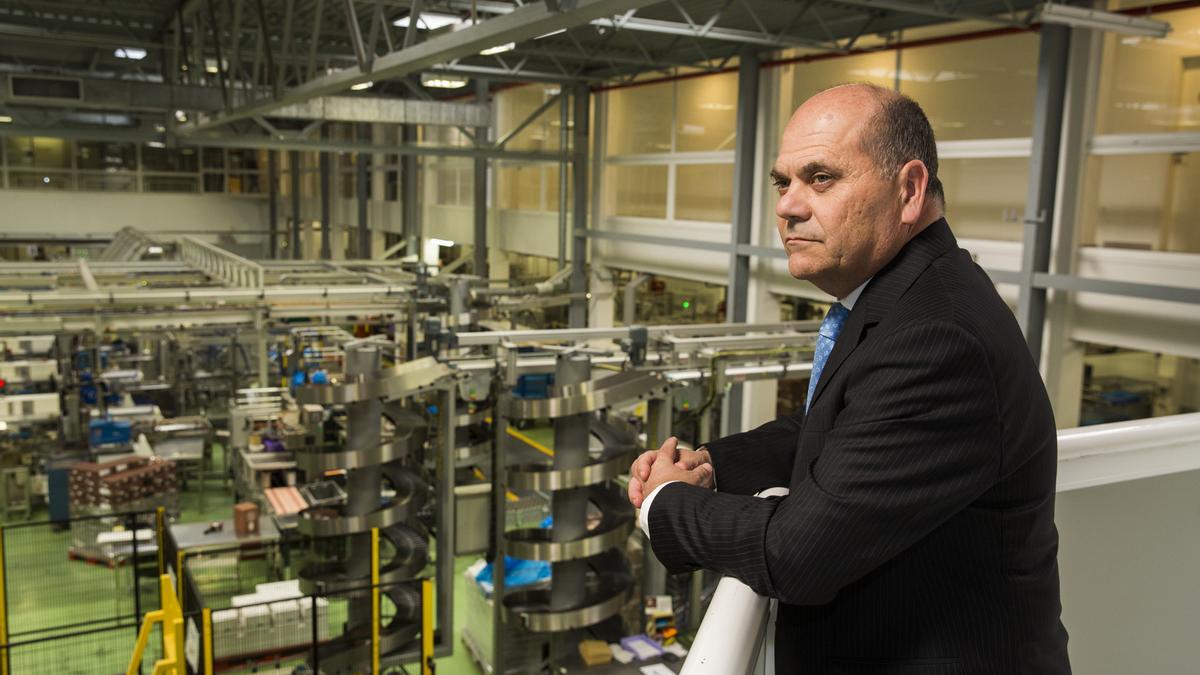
(131, 53)
(429, 21)
(443, 81)
(553, 32)
(361, 86)
(180, 116)
(499, 49)
(5, 119)
(1079, 17)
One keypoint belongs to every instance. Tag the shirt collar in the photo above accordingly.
(852, 296)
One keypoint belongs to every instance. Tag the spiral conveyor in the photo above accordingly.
(591, 575)
(382, 491)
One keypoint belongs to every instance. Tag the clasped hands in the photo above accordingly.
(655, 467)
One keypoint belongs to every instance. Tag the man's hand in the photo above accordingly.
(655, 467)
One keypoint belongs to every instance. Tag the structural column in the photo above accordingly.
(1043, 180)
(272, 204)
(577, 316)
(364, 484)
(361, 178)
(572, 434)
(294, 168)
(744, 162)
(326, 225)
(410, 213)
(479, 201)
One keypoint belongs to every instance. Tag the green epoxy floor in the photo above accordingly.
(47, 589)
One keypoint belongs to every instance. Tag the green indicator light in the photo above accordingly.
(686, 304)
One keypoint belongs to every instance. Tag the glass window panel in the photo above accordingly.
(214, 182)
(1149, 85)
(637, 191)
(99, 156)
(168, 159)
(213, 158)
(38, 152)
(521, 187)
(108, 182)
(985, 198)
(517, 104)
(975, 88)
(706, 113)
(1142, 201)
(704, 192)
(639, 119)
(170, 184)
(40, 180)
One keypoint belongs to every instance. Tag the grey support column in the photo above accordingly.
(363, 485)
(294, 168)
(569, 507)
(326, 225)
(272, 204)
(579, 190)
(361, 182)
(564, 142)
(410, 213)
(1043, 180)
(480, 205)
(744, 161)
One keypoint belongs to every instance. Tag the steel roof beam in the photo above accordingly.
(525, 23)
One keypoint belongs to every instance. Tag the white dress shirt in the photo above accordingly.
(644, 514)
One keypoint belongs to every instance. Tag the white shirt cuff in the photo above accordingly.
(644, 514)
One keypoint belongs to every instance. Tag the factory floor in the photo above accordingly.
(47, 589)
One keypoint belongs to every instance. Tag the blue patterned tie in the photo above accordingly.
(831, 327)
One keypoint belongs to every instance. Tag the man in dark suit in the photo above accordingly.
(918, 536)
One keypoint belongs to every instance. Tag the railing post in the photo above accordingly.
(207, 644)
(4, 656)
(160, 529)
(427, 626)
(375, 601)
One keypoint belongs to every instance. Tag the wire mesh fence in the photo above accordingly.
(49, 585)
(328, 633)
(74, 594)
(96, 650)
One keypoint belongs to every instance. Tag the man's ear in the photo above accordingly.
(914, 181)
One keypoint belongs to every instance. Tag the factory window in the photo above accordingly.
(1125, 384)
(985, 198)
(517, 104)
(102, 156)
(704, 192)
(801, 80)
(706, 113)
(38, 152)
(980, 88)
(637, 191)
(1142, 201)
(1152, 85)
(640, 119)
(524, 186)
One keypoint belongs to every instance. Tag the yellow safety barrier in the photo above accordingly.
(3, 612)
(160, 530)
(427, 626)
(375, 608)
(171, 618)
(206, 639)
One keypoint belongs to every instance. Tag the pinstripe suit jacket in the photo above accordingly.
(918, 537)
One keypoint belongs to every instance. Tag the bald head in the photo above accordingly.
(856, 176)
(893, 129)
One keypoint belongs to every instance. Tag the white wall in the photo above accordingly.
(100, 214)
(1128, 559)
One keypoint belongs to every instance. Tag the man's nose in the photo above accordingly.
(792, 206)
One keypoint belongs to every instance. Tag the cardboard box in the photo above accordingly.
(245, 519)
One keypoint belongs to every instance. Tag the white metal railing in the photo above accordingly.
(1120, 451)
(215, 261)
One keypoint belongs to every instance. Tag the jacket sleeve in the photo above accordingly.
(917, 440)
(754, 460)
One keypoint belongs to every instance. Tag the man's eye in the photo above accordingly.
(780, 183)
(821, 178)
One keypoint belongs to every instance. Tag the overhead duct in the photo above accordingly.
(38, 88)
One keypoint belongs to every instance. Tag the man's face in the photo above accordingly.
(838, 217)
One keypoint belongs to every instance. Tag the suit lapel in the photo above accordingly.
(884, 291)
